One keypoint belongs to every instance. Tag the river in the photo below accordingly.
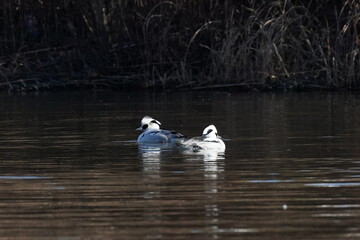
(70, 166)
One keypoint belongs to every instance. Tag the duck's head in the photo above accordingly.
(210, 132)
(149, 123)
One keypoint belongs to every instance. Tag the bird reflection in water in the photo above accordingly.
(213, 168)
(210, 162)
(151, 167)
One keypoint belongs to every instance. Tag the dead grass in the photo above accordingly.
(278, 44)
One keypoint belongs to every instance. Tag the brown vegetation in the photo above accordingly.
(279, 44)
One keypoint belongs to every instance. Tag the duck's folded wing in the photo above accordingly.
(191, 143)
(172, 133)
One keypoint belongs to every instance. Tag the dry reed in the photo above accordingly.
(277, 44)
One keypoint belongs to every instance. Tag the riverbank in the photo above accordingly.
(170, 45)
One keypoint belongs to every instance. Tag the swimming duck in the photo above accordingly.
(153, 134)
(210, 140)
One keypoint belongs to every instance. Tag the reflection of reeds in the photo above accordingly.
(168, 44)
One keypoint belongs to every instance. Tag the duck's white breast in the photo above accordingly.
(208, 145)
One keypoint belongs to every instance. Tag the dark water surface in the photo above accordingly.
(70, 167)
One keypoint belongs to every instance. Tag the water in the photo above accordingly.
(70, 167)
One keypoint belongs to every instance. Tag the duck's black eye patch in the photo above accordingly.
(209, 131)
(144, 126)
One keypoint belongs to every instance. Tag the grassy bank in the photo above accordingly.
(180, 44)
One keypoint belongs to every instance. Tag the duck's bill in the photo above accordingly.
(139, 129)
